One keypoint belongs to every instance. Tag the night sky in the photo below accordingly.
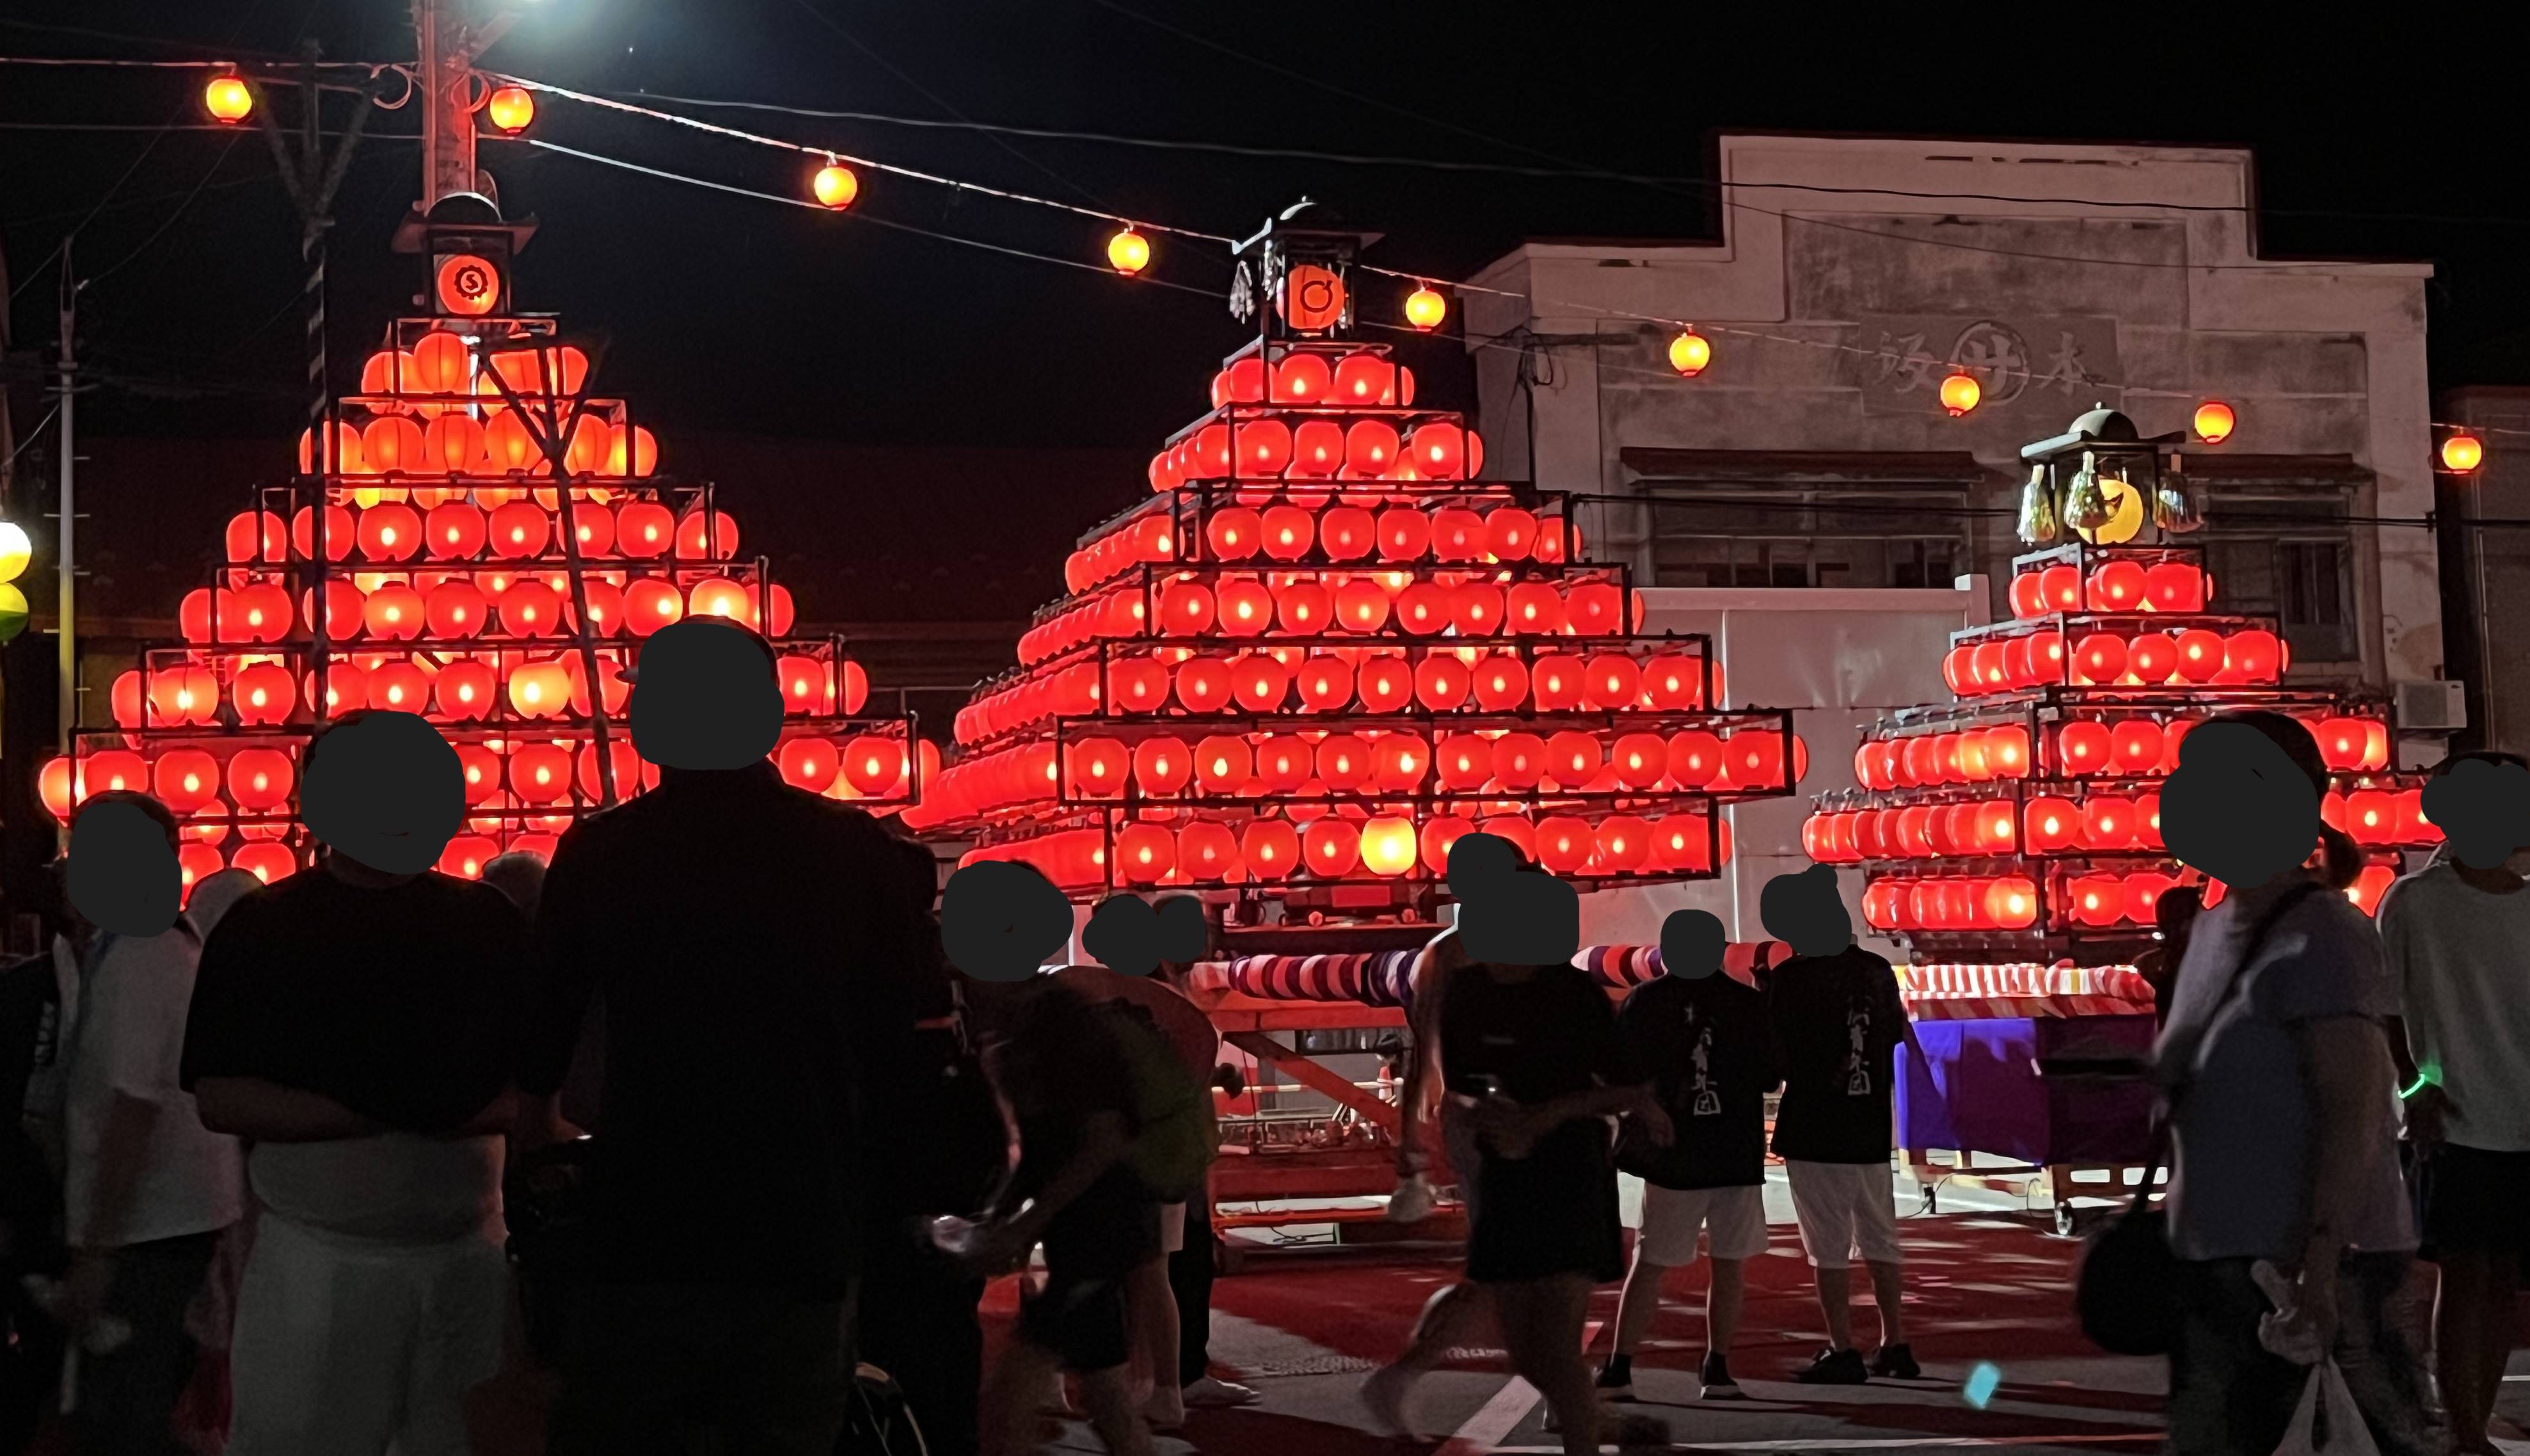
(734, 317)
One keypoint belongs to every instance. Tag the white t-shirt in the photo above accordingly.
(2462, 960)
(126, 1038)
(395, 1188)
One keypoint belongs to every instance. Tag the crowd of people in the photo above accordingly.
(739, 1110)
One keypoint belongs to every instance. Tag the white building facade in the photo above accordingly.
(1850, 276)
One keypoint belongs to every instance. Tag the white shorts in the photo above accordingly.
(1673, 1216)
(1172, 1227)
(1844, 1209)
(343, 1345)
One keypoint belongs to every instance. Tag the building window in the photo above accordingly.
(1735, 536)
(2270, 558)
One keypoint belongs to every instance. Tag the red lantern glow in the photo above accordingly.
(2099, 659)
(2200, 655)
(2050, 826)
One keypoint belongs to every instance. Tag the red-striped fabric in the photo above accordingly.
(1926, 981)
(1989, 1008)
(1384, 978)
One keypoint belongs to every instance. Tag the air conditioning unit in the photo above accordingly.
(2431, 707)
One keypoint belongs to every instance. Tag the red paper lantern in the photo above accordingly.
(2060, 588)
(1259, 684)
(1756, 759)
(1424, 609)
(1303, 608)
(1510, 533)
(1269, 849)
(2108, 822)
(1595, 609)
(1330, 847)
(530, 609)
(2147, 819)
(540, 773)
(465, 690)
(1442, 681)
(540, 690)
(2254, 654)
(185, 779)
(2143, 891)
(1146, 853)
(1325, 682)
(1674, 681)
(1405, 534)
(1501, 683)
(399, 687)
(2049, 825)
(1284, 763)
(1317, 450)
(2097, 900)
(2200, 655)
(1641, 760)
(2012, 902)
(1990, 664)
(1463, 761)
(644, 529)
(2099, 659)
(1439, 833)
(1612, 682)
(1288, 532)
(1457, 534)
(1361, 606)
(481, 772)
(2028, 598)
(2136, 746)
(1347, 533)
(1370, 449)
(1695, 758)
(1533, 607)
(2343, 742)
(261, 779)
(257, 536)
(651, 602)
(1959, 672)
(1234, 533)
(341, 533)
(1573, 759)
(466, 855)
(2119, 585)
(701, 537)
(390, 532)
(1398, 762)
(2175, 586)
(1343, 763)
(1476, 609)
(1263, 448)
(2371, 817)
(1203, 685)
(1384, 684)
(1365, 379)
(1243, 608)
(1222, 765)
(520, 530)
(2153, 658)
(1185, 608)
(2083, 747)
(1556, 681)
(1519, 761)
(1624, 843)
(267, 862)
(1207, 853)
(1162, 765)
(873, 764)
(1438, 451)
(183, 696)
(1565, 845)
(718, 596)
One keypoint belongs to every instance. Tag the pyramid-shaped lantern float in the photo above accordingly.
(443, 577)
(1326, 648)
(2019, 824)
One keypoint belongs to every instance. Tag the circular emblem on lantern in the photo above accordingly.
(1313, 298)
(468, 285)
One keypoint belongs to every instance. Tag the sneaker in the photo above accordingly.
(1213, 1393)
(1835, 1368)
(1897, 1363)
(1718, 1385)
(1385, 1393)
(1616, 1378)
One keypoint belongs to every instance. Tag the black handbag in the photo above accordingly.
(2127, 1294)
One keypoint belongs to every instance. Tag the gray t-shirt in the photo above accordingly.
(2460, 958)
(394, 1188)
(2239, 1186)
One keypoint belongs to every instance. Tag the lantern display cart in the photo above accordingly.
(423, 561)
(1322, 651)
(2012, 839)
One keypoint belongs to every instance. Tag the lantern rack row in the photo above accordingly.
(398, 615)
(2051, 702)
(1120, 680)
(816, 679)
(1333, 528)
(1341, 852)
(2095, 918)
(278, 531)
(2096, 741)
(1215, 604)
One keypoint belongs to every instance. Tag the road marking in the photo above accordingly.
(1930, 1443)
(1510, 1406)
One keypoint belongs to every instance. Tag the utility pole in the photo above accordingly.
(67, 559)
(450, 44)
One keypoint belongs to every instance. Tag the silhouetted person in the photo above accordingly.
(945, 1150)
(2282, 1104)
(1530, 1049)
(759, 957)
(1838, 1018)
(355, 1024)
(2174, 915)
(1705, 1039)
(147, 1188)
(2458, 939)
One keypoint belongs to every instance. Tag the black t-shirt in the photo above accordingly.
(1062, 1066)
(1837, 1018)
(759, 953)
(1709, 1048)
(400, 1003)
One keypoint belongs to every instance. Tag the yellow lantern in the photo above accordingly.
(1129, 252)
(511, 109)
(2214, 421)
(15, 551)
(227, 99)
(2461, 453)
(1960, 392)
(1425, 307)
(836, 186)
(1388, 847)
(1690, 353)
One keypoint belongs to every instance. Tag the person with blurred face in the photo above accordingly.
(147, 1187)
(354, 1024)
